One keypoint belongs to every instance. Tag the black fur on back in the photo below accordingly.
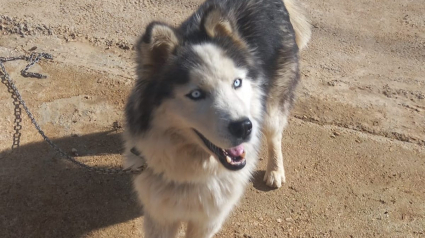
(263, 25)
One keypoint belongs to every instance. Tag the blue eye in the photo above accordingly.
(196, 95)
(237, 83)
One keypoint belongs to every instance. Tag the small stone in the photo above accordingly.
(332, 83)
(279, 220)
(332, 136)
(116, 125)
(74, 152)
(357, 140)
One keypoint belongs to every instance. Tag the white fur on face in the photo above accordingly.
(214, 75)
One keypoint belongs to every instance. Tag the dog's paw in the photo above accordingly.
(133, 161)
(275, 178)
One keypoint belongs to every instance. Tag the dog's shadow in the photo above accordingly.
(258, 182)
(43, 195)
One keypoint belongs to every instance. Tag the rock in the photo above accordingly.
(74, 152)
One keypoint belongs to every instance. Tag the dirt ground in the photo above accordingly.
(354, 149)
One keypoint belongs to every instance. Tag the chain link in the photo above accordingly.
(18, 102)
(17, 110)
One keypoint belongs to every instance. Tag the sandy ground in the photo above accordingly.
(354, 149)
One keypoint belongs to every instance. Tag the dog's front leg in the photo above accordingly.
(159, 229)
(274, 125)
(275, 173)
(205, 229)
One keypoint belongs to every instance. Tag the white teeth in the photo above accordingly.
(229, 160)
(243, 155)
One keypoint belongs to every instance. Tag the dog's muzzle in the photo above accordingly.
(232, 159)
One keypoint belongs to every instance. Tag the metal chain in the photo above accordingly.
(11, 88)
(33, 59)
(17, 110)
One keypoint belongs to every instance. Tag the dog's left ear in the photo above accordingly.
(216, 24)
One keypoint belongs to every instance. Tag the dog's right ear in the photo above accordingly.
(156, 47)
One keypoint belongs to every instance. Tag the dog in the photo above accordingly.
(206, 94)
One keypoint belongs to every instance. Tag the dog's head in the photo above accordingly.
(207, 87)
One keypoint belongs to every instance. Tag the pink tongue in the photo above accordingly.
(236, 151)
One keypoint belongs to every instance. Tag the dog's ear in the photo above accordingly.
(216, 24)
(156, 47)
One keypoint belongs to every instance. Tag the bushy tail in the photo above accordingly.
(299, 22)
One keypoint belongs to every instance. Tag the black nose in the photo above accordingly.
(241, 129)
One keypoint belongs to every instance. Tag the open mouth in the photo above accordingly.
(232, 159)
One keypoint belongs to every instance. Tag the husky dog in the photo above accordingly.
(206, 93)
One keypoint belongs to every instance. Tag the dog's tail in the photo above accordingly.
(299, 22)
